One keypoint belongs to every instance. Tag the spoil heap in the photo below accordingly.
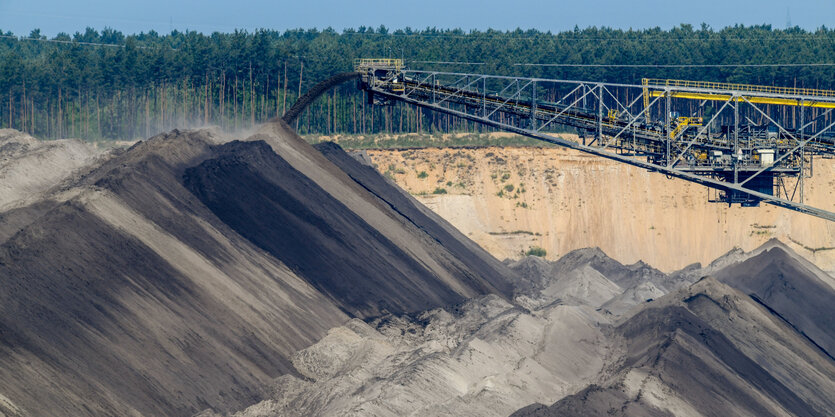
(660, 345)
(181, 274)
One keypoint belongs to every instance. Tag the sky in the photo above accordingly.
(132, 17)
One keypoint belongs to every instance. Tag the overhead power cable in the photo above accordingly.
(447, 62)
(816, 64)
(825, 64)
(559, 36)
(70, 42)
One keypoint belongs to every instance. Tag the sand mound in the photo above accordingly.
(29, 166)
(707, 350)
(703, 349)
(183, 273)
(484, 358)
(790, 289)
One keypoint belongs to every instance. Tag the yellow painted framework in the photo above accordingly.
(741, 88)
(757, 100)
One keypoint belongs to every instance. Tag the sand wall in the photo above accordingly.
(510, 199)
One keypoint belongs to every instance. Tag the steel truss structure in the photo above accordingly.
(749, 144)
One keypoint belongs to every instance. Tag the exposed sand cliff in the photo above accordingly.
(511, 199)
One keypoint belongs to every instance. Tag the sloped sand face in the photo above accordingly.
(510, 199)
(485, 359)
(28, 166)
(661, 345)
(710, 348)
(707, 350)
(183, 273)
(129, 298)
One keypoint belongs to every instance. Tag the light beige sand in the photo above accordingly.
(29, 166)
(572, 200)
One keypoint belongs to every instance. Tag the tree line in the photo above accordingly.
(108, 85)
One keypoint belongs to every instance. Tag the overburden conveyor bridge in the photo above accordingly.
(747, 143)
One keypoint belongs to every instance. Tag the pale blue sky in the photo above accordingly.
(53, 16)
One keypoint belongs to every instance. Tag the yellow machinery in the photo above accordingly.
(613, 115)
(682, 123)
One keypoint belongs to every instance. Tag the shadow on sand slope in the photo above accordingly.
(706, 350)
(122, 293)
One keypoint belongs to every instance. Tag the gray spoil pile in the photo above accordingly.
(755, 340)
(466, 254)
(771, 279)
(588, 336)
(589, 277)
(706, 350)
(182, 274)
